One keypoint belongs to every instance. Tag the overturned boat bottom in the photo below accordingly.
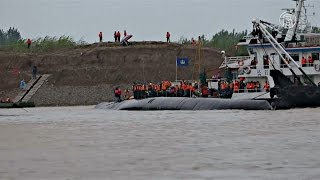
(182, 103)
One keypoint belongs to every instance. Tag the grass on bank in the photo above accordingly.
(40, 45)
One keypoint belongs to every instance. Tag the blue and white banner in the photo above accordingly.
(182, 62)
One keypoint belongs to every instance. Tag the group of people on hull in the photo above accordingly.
(169, 89)
(187, 89)
(239, 86)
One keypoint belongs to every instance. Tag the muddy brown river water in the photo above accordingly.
(87, 143)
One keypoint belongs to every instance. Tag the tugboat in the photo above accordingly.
(285, 59)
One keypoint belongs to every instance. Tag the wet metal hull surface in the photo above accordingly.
(180, 103)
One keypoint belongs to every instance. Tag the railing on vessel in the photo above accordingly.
(249, 90)
(231, 60)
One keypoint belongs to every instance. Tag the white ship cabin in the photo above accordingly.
(263, 58)
(296, 40)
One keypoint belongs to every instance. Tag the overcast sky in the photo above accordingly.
(145, 19)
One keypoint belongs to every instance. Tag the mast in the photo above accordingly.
(292, 31)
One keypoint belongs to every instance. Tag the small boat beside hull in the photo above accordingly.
(17, 105)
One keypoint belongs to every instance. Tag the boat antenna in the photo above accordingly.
(292, 31)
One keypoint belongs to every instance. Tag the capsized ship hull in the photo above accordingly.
(182, 103)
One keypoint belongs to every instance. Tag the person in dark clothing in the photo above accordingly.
(115, 36)
(100, 36)
(34, 72)
(254, 63)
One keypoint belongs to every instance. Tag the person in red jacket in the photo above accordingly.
(100, 36)
(266, 86)
(117, 94)
(118, 36)
(168, 37)
(304, 62)
(310, 61)
(29, 43)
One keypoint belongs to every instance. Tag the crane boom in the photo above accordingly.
(279, 48)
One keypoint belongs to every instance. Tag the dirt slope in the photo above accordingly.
(97, 66)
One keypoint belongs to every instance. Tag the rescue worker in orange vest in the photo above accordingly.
(29, 43)
(266, 86)
(117, 94)
(168, 37)
(158, 89)
(190, 90)
(236, 87)
(177, 89)
(304, 62)
(223, 86)
(140, 91)
(258, 86)
(231, 85)
(205, 91)
(135, 90)
(310, 61)
(100, 36)
(248, 86)
(143, 91)
(253, 86)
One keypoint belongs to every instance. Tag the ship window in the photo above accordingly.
(280, 40)
(315, 56)
(295, 57)
(253, 41)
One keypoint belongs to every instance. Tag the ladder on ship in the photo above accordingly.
(32, 87)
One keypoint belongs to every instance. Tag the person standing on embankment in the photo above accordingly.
(115, 36)
(168, 37)
(29, 43)
(23, 84)
(34, 72)
(100, 36)
(118, 36)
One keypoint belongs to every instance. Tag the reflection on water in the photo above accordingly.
(87, 143)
